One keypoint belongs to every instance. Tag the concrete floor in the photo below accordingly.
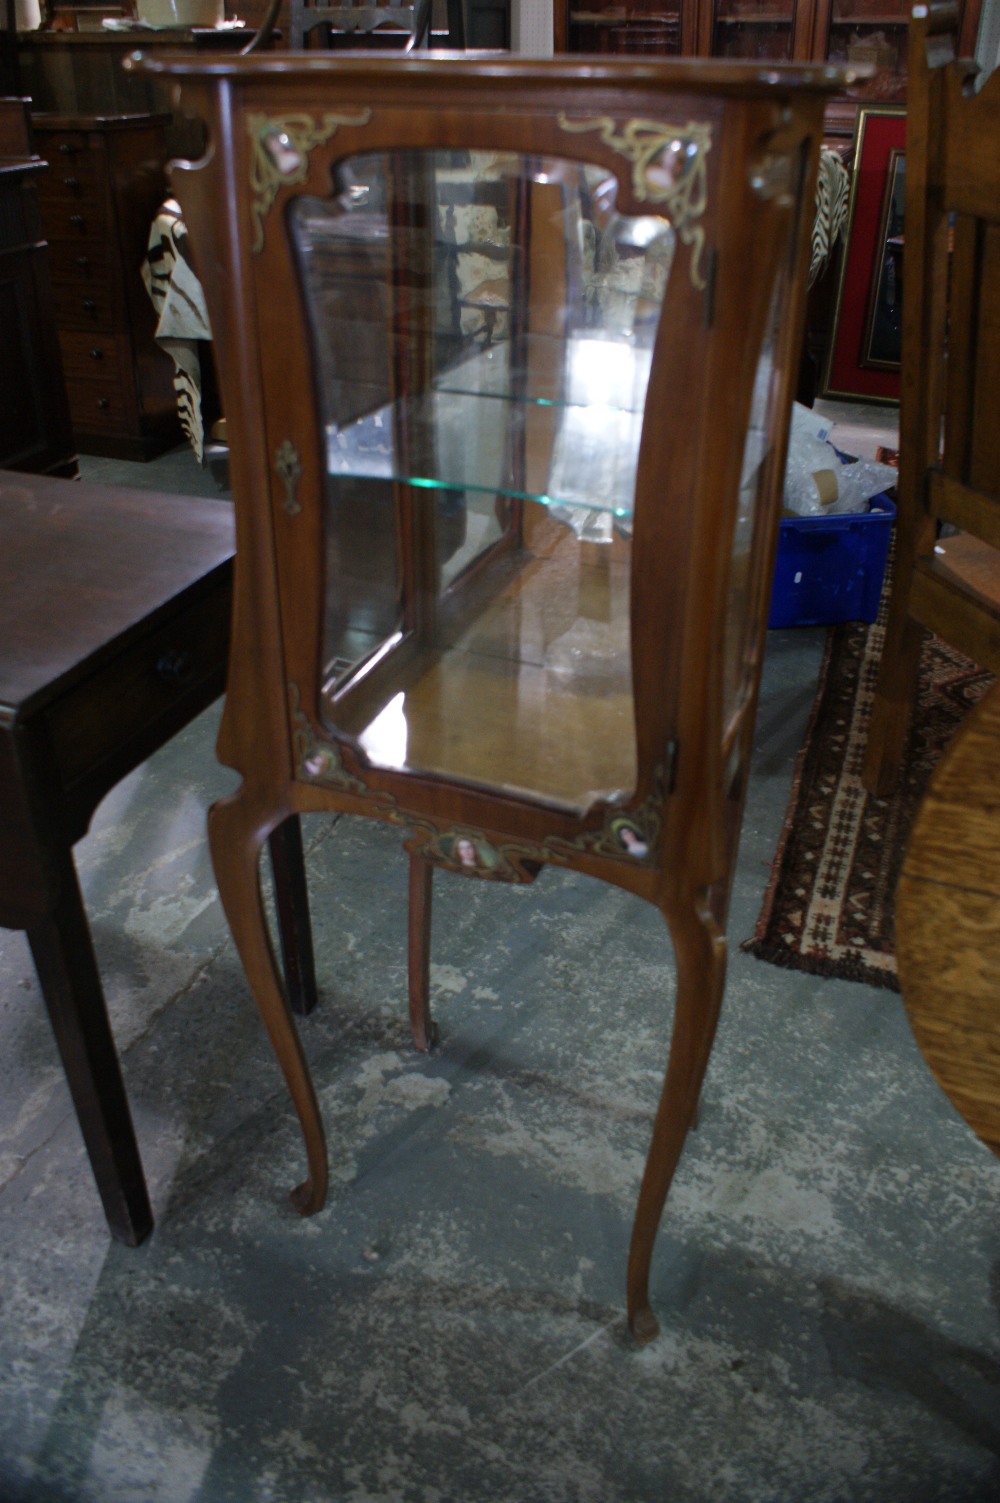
(451, 1326)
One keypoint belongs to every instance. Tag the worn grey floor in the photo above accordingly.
(451, 1326)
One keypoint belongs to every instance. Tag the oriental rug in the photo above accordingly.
(829, 904)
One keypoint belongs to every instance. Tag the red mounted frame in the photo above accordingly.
(851, 369)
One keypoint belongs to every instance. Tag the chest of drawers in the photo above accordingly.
(34, 415)
(106, 180)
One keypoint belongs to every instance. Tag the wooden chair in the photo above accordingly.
(509, 423)
(949, 439)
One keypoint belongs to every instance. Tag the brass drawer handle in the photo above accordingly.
(71, 182)
(76, 219)
(83, 261)
(89, 306)
(104, 403)
(97, 354)
(67, 149)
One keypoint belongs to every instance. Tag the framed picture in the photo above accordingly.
(864, 348)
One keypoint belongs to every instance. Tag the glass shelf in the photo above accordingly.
(554, 421)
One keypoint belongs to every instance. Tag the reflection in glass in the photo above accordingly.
(484, 327)
(758, 30)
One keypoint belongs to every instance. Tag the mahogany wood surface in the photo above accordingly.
(114, 634)
(949, 449)
(98, 588)
(661, 816)
(948, 923)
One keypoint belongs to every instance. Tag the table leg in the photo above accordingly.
(291, 898)
(67, 970)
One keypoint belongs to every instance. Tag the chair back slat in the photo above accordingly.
(958, 258)
(968, 128)
(984, 458)
(950, 416)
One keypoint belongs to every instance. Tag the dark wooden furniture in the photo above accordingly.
(844, 32)
(80, 72)
(106, 183)
(114, 626)
(949, 435)
(34, 413)
(412, 20)
(476, 595)
(948, 923)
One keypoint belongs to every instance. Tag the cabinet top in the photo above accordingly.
(694, 75)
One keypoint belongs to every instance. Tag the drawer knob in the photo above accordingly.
(71, 182)
(104, 403)
(97, 354)
(66, 149)
(83, 261)
(174, 667)
(76, 219)
(89, 305)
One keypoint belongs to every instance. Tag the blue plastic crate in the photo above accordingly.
(831, 569)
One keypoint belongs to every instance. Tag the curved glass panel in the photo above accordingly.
(483, 328)
(739, 659)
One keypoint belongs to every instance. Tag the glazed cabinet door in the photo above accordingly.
(755, 30)
(663, 27)
(482, 325)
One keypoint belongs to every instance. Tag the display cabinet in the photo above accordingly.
(754, 30)
(658, 26)
(508, 424)
(849, 32)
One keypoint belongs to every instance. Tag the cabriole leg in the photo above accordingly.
(236, 832)
(700, 952)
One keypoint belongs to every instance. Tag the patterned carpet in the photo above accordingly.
(828, 908)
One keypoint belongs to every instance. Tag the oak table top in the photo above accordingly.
(948, 923)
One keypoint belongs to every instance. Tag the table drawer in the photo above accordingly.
(137, 699)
